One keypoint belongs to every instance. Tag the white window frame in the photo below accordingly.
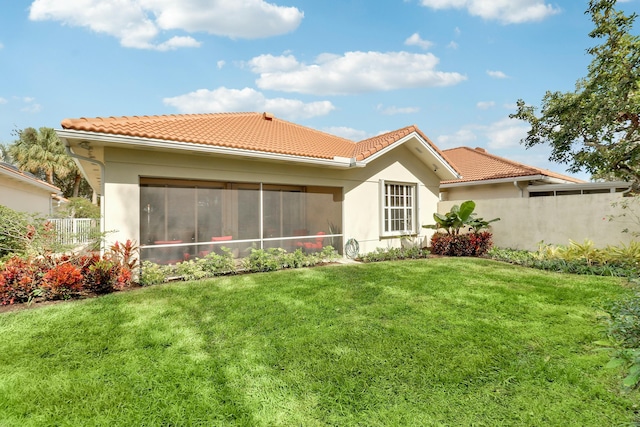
(400, 199)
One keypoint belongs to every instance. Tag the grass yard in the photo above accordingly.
(428, 342)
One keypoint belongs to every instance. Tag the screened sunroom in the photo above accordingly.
(181, 220)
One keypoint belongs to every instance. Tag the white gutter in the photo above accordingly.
(336, 162)
(496, 181)
(515, 184)
(579, 186)
(101, 166)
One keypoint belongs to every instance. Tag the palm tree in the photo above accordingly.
(41, 152)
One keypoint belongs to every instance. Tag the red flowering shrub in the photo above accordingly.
(102, 277)
(54, 276)
(64, 280)
(20, 277)
(125, 254)
(472, 244)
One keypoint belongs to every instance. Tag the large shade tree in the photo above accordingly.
(596, 128)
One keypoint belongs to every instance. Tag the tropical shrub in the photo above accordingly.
(551, 259)
(459, 218)
(262, 260)
(392, 254)
(190, 270)
(24, 234)
(454, 243)
(471, 244)
(56, 276)
(19, 278)
(103, 277)
(152, 273)
(218, 263)
(62, 281)
(215, 264)
(624, 329)
(79, 207)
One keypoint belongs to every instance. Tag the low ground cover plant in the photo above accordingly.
(393, 254)
(580, 258)
(452, 341)
(223, 263)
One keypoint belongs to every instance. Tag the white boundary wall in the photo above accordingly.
(525, 222)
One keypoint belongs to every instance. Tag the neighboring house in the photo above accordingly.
(23, 192)
(516, 193)
(487, 176)
(184, 185)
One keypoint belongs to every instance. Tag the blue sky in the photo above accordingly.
(355, 68)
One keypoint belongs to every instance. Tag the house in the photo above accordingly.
(535, 205)
(23, 192)
(487, 176)
(185, 185)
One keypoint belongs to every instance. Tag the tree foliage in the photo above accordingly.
(42, 153)
(596, 128)
(79, 207)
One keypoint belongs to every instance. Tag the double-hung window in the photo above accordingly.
(399, 208)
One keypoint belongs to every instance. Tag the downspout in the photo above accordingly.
(515, 184)
(101, 166)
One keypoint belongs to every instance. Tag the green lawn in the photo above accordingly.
(427, 342)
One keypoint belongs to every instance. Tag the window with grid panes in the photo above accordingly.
(398, 208)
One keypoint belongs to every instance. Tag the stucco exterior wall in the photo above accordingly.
(24, 198)
(525, 222)
(361, 207)
(480, 192)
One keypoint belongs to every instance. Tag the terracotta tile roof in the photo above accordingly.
(248, 131)
(371, 146)
(478, 165)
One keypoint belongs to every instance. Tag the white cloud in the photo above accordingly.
(505, 133)
(30, 105)
(3, 100)
(247, 99)
(1, 46)
(505, 11)
(178, 42)
(485, 105)
(415, 40)
(461, 137)
(220, 64)
(138, 23)
(348, 133)
(452, 45)
(393, 110)
(497, 74)
(353, 72)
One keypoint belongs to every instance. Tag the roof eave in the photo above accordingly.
(30, 181)
(441, 167)
(493, 181)
(580, 185)
(336, 162)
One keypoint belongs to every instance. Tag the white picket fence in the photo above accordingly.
(75, 231)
